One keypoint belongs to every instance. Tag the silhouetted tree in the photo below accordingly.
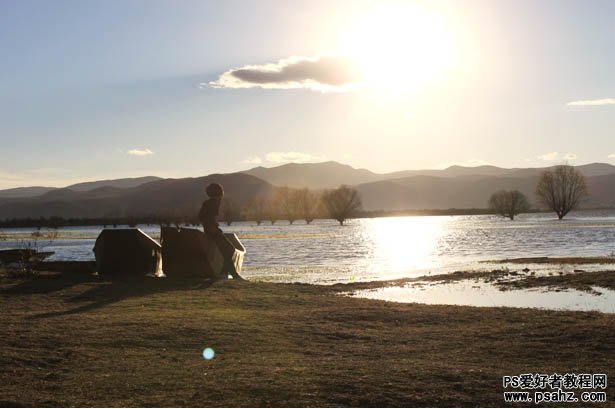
(341, 202)
(256, 209)
(287, 202)
(561, 189)
(509, 203)
(308, 203)
(229, 211)
(272, 209)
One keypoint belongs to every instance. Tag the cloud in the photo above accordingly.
(592, 102)
(549, 156)
(570, 156)
(296, 157)
(140, 152)
(324, 74)
(612, 156)
(251, 160)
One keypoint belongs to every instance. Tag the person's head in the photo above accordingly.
(214, 190)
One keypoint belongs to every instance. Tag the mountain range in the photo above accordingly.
(20, 192)
(456, 187)
(332, 174)
(160, 196)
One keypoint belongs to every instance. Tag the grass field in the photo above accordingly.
(78, 340)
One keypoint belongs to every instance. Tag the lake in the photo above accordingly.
(378, 248)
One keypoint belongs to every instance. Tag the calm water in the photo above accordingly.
(470, 292)
(380, 248)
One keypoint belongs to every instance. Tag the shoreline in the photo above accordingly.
(60, 222)
(503, 277)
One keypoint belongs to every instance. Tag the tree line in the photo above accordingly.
(292, 204)
(560, 189)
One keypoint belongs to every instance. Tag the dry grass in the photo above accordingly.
(76, 340)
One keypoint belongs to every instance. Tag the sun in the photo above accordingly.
(398, 47)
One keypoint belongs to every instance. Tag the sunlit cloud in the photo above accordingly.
(592, 102)
(326, 74)
(139, 152)
(251, 160)
(611, 156)
(549, 156)
(296, 157)
(570, 156)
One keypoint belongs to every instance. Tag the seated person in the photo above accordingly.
(208, 216)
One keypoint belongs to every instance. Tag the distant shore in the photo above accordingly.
(56, 222)
(73, 339)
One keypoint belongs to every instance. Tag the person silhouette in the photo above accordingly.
(208, 216)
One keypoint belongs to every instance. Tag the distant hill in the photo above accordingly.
(121, 183)
(451, 172)
(591, 169)
(164, 196)
(332, 174)
(22, 192)
(314, 175)
(430, 192)
(455, 187)
(18, 192)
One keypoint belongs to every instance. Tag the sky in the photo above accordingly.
(107, 89)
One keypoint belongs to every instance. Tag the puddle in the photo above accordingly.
(479, 294)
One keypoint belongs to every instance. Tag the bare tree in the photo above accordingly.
(561, 189)
(229, 211)
(257, 209)
(287, 200)
(341, 202)
(509, 203)
(272, 210)
(308, 203)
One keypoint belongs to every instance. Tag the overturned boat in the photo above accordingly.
(190, 253)
(127, 252)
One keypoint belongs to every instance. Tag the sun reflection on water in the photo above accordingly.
(405, 243)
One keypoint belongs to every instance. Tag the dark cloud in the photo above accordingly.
(324, 74)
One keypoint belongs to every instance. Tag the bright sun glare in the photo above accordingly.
(398, 47)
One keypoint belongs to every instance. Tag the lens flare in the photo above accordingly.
(208, 354)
